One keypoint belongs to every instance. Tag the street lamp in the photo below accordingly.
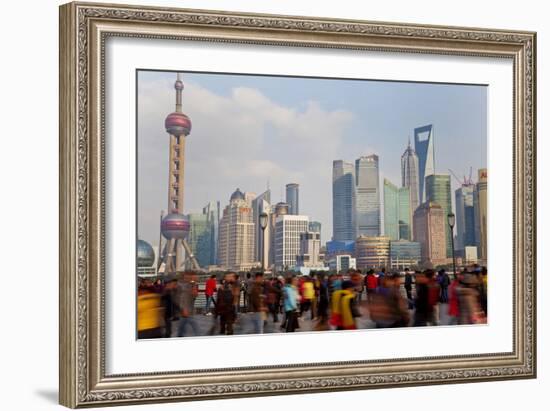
(263, 225)
(451, 221)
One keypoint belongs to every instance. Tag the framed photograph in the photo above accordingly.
(263, 205)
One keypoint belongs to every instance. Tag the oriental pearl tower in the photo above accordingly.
(175, 226)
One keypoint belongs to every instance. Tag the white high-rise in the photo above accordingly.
(287, 239)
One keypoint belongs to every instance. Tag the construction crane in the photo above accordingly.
(465, 181)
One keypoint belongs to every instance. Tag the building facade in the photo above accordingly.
(397, 211)
(465, 217)
(342, 263)
(367, 196)
(293, 198)
(372, 252)
(310, 250)
(480, 209)
(212, 211)
(287, 239)
(410, 178)
(236, 235)
(343, 201)
(315, 226)
(404, 254)
(262, 244)
(425, 150)
(438, 190)
(430, 222)
(199, 238)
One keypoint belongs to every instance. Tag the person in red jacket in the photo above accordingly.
(209, 291)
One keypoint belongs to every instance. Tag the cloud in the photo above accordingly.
(243, 139)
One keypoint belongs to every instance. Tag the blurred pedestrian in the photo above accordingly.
(408, 288)
(225, 306)
(291, 301)
(349, 310)
(187, 292)
(256, 303)
(308, 294)
(444, 281)
(149, 312)
(371, 284)
(209, 291)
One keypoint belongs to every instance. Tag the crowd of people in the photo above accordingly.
(343, 301)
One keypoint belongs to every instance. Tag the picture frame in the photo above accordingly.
(85, 28)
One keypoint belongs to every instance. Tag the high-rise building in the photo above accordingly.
(438, 190)
(397, 211)
(343, 201)
(480, 210)
(372, 251)
(199, 238)
(404, 254)
(293, 198)
(410, 178)
(424, 148)
(212, 211)
(310, 250)
(236, 235)
(262, 243)
(465, 217)
(429, 225)
(367, 196)
(288, 228)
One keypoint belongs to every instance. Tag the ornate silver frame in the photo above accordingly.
(84, 27)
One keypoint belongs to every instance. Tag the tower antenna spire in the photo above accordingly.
(178, 85)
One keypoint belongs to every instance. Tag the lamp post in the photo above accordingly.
(263, 225)
(451, 221)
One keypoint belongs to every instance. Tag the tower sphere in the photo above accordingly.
(145, 254)
(177, 124)
(175, 226)
(178, 85)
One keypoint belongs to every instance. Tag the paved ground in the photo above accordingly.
(208, 325)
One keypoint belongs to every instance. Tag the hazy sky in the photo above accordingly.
(251, 131)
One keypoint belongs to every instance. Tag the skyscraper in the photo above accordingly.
(410, 177)
(293, 198)
(199, 238)
(262, 203)
(397, 211)
(438, 190)
(287, 239)
(213, 213)
(480, 209)
(343, 201)
(367, 201)
(424, 147)
(430, 221)
(465, 217)
(236, 236)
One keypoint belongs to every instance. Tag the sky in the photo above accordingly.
(252, 132)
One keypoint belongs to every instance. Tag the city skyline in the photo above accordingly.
(282, 120)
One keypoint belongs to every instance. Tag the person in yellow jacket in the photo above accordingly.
(308, 295)
(348, 307)
(149, 314)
